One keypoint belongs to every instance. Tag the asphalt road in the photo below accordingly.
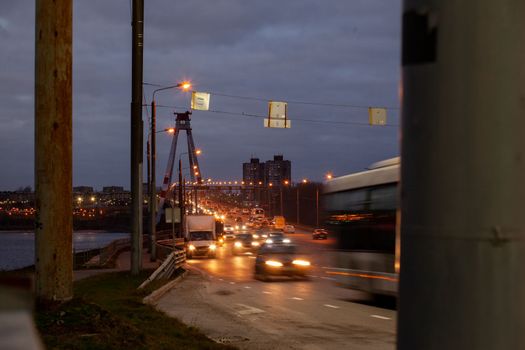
(221, 297)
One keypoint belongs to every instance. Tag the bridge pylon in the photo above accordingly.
(182, 122)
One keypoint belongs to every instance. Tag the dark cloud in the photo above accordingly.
(333, 51)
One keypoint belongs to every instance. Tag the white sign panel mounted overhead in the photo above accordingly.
(377, 116)
(277, 123)
(200, 101)
(277, 115)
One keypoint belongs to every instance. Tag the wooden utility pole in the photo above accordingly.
(53, 150)
(462, 279)
(136, 135)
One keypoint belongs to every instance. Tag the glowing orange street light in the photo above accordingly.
(286, 182)
(329, 176)
(305, 181)
(185, 85)
(271, 184)
(170, 130)
(198, 151)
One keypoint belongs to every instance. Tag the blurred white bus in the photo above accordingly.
(362, 213)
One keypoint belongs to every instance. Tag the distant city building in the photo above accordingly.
(112, 189)
(83, 189)
(277, 171)
(274, 172)
(253, 172)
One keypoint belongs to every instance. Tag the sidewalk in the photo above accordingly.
(123, 263)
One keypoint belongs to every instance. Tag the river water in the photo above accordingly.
(17, 249)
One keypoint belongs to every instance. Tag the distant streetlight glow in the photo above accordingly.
(198, 151)
(305, 181)
(185, 85)
(329, 176)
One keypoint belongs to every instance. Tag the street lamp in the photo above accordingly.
(185, 86)
(329, 176)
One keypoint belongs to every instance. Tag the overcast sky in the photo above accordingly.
(330, 51)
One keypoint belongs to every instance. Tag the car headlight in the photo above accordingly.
(236, 227)
(255, 244)
(273, 263)
(286, 240)
(238, 244)
(191, 247)
(269, 241)
(264, 236)
(301, 262)
(244, 227)
(255, 236)
(213, 247)
(221, 240)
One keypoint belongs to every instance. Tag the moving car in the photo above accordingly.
(245, 243)
(240, 227)
(280, 260)
(289, 229)
(320, 233)
(277, 238)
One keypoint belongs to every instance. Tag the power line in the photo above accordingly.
(243, 114)
(300, 102)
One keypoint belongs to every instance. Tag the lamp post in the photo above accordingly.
(152, 203)
(153, 155)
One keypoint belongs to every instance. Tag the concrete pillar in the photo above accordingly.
(462, 279)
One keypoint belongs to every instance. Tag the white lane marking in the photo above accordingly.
(296, 298)
(232, 282)
(381, 317)
(265, 292)
(328, 278)
(249, 310)
(247, 287)
(332, 306)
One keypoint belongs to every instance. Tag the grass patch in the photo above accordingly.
(107, 313)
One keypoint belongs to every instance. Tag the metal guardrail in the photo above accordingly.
(174, 261)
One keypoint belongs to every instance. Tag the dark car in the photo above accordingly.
(277, 238)
(245, 243)
(280, 260)
(320, 233)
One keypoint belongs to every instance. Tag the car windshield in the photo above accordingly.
(201, 236)
(245, 237)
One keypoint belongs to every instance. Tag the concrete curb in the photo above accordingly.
(159, 293)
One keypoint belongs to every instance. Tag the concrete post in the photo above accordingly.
(153, 184)
(462, 279)
(53, 151)
(136, 136)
